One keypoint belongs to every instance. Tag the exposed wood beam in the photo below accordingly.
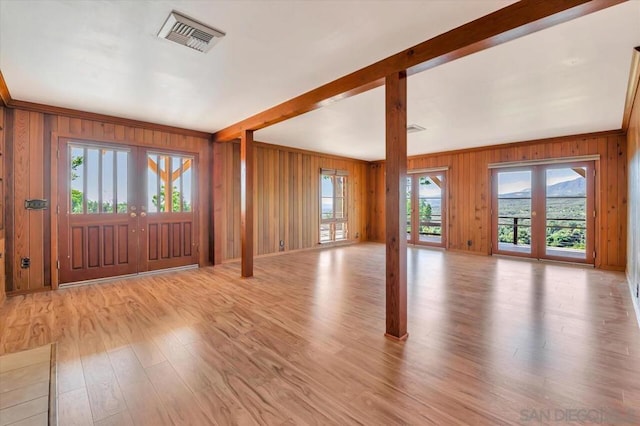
(632, 88)
(396, 205)
(178, 173)
(580, 171)
(5, 96)
(246, 201)
(514, 21)
(9, 102)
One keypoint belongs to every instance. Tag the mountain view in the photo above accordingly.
(571, 188)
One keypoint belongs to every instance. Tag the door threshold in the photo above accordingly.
(128, 276)
(533, 260)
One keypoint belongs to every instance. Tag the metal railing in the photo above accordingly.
(516, 225)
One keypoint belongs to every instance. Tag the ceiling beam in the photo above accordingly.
(632, 88)
(514, 21)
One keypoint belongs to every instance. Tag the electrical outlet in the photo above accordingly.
(25, 262)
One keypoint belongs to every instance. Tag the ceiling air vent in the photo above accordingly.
(413, 128)
(188, 32)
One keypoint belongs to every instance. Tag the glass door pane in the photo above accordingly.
(566, 212)
(430, 209)
(514, 211)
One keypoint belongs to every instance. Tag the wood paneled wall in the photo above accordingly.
(469, 190)
(31, 143)
(633, 257)
(286, 203)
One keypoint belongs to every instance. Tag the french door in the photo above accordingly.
(426, 207)
(545, 212)
(124, 210)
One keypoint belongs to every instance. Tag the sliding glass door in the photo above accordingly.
(545, 212)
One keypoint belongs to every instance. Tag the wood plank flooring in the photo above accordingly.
(25, 383)
(491, 341)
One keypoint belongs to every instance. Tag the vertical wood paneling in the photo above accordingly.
(286, 198)
(21, 168)
(469, 191)
(36, 190)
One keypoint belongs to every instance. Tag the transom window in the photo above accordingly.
(333, 205)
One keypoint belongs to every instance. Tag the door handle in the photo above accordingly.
(143, 214)
(133, 215)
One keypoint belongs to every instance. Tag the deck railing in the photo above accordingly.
(516, 224)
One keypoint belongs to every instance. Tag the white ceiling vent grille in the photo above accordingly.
(414, 128)
(188, 32)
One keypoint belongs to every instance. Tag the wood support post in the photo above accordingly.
(246, 201)
(396, 205)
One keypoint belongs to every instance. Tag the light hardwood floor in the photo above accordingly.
(491, 341)
(25, 381)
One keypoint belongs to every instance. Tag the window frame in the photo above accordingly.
(333, 221)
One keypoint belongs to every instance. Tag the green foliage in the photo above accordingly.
(76, 201)
(175, 200)
(77, 196)
(565, 226)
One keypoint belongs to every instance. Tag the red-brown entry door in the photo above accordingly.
(167, 213)
(124, 210)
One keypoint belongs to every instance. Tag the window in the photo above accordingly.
(98, 179)
(169, 183)
(333, 206)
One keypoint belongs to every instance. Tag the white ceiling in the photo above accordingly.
(568, 79)
(104, 56)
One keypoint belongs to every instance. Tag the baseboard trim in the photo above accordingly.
(316, 247)
(634, 300)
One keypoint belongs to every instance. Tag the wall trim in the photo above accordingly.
(561, 160)
(428, 170)
(582, 136)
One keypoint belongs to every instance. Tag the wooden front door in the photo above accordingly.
(124, 210)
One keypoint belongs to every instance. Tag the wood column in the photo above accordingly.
(246, 201)
(396, 205)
